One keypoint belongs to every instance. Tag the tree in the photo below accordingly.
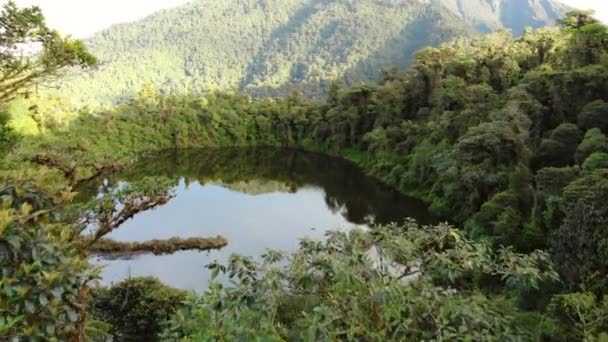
(589, 38)
(594, 115)
(580, 245)
(559, 149)
(502, 220)
(582, 316)
(594, 141)
(491, 143)
(577, 19)
(567, 134)
(21, 31)
(543, 44)
(551, 180)
(597, 160)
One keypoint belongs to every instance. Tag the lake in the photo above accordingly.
(256, 198)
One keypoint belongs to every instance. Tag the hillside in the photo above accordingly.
(269, 47)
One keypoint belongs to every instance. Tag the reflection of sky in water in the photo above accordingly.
(251, 224)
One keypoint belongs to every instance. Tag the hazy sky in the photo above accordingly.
(600, 7)
(81, 18)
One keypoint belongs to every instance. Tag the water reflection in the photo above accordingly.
(256, 198)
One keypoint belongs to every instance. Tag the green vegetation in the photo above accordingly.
(503, 136)
(411, 285)
(271, 47)
(20, 68)
(135, 308)
(42, 273)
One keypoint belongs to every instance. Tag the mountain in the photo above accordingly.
(516, 15)
(270, 47)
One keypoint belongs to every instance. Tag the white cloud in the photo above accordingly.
(599, 6)
(81, 18)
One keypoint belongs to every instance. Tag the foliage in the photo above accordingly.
(560, 148)
(391, 283)
(588, 38)
(584, 315)
(19, 69)
(594, 141)
(597, 160)
(552, 180)
(22, 33)
(135, 308)
(579, 245)
(42, 273)
(110, 209)
(594, 115)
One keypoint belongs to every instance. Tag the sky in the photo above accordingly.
(600, 7)
(82, 18)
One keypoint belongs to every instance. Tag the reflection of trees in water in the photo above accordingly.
(359, 198)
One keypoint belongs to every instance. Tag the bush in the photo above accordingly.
(42, 273)
(136, 308)
(394, 283)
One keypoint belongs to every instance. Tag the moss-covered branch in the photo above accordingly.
(116, 249)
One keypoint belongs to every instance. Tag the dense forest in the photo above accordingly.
(270, 47)
(503, 136)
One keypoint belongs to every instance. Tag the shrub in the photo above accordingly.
(42, 273)
(392, 283)
(136, 308)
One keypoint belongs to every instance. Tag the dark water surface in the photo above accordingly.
(256, 198)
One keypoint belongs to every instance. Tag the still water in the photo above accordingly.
(256, 198)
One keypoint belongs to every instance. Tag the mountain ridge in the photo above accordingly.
(272, 47)
(490, 15)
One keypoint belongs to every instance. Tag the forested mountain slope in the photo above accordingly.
(270, 47)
